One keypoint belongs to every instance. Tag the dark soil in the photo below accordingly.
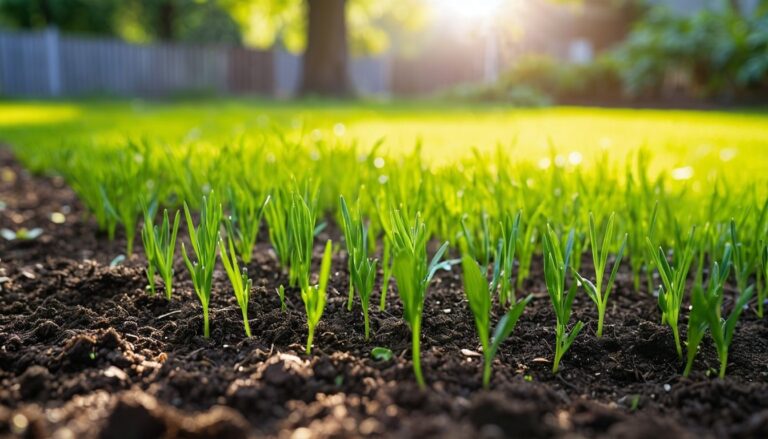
(85, 352)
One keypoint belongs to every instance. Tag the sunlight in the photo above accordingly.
(469, 9)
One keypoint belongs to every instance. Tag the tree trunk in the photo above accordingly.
(326, 58)
(166, 21)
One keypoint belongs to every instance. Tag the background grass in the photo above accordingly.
(734, 142)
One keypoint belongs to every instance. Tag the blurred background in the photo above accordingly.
(667, 53)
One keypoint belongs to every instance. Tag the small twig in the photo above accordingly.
(168, 314)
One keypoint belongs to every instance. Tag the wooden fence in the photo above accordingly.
(48, 64)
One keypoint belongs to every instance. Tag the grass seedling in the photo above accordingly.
(556, 263)
(479, 248)
(709, 304)
(699, 320)
(595, 291)
(413, 273)
(276, 214)
(741, 266)
(526, 245)
(746, 261)
(764, 266)
(243, 225)
(386, 268)
(673, 279)
(159, 247)
(314, 297)
(506, 257)
(241, 284)
(362, 269)
(301, 231)
(479, 296)
(203, 239)
(281, 295)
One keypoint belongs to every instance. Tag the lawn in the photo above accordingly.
(705, 140)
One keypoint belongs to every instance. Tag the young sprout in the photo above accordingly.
(764, 266)
(741, 266)
(159, 247)
(506, 257)
(595, 291)
(746, 259)
(203, 240)
(413, 273)
(301, 231)
(709, 305)
(243, 225)
(281, 295)
(479, 296)
(556, 263)
(673, 284)
(241, 284)
(386, 267)
(362, 269)
(480, 248)
(314, 296)
(276, 213)
(526, 245)
(699, 321)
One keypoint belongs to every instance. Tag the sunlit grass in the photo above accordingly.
(697, 142)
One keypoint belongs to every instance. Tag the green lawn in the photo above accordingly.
(703, 140)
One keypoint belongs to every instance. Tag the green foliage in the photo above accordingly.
(203, 239)
(479, 296)
(302, 217)
(362, 269)
(556, 266)
(246, 210)
(386, 267)
(764, 267)
(159, 248)
(114, 194)
(314, 297)
(719, 51)
(540, 80)
(281, 295)
(276, 212)
(600, 253)
(699, 319)
(506, 256)
(526, 245)
(381, 354)
(478, 247)
(673, 279)
(241, 283)
(413, 273)
(707, 310)
(747, 252)
(291, 216)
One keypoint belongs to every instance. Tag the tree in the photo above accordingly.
(81, 16)
(326, 31)
(326, 59)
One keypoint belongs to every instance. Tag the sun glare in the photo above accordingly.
(469, 9)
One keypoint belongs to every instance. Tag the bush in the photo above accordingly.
(539, 80)
(713, 53)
